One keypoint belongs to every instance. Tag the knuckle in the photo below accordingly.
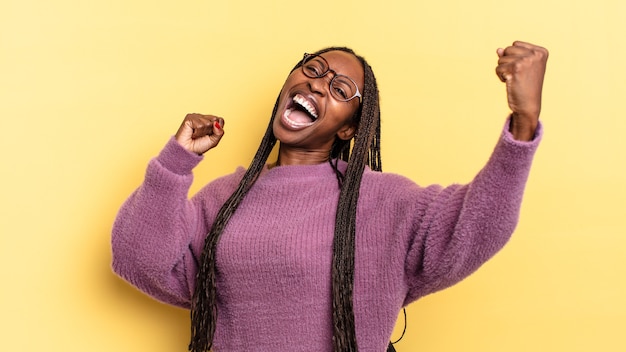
(541, 52)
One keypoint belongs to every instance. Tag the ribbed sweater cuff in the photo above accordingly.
(507, 136)
(177, 159)
(516, 154)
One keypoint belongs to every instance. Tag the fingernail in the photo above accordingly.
(217, 125)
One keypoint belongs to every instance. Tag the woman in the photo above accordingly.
(319, 250)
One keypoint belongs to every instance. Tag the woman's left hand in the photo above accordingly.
(522, 67)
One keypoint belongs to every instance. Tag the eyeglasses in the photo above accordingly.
(342, 88)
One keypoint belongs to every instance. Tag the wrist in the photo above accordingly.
(523, 127)
(176, 158)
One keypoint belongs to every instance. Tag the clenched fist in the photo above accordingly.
(198, 133)
(522, 67)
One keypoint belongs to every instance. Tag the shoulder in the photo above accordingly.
(388, 186)
(386, 181)
(222, 187)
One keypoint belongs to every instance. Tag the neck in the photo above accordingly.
(296, 156)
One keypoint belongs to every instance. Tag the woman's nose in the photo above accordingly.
(321, 85)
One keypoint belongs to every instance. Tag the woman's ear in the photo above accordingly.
(348, 130)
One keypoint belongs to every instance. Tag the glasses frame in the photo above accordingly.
(308, 57)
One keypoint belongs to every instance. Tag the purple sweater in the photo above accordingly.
(274, 258)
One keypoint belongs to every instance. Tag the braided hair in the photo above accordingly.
(364, 151)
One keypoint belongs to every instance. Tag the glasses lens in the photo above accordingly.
(314, 66)
(342, 88)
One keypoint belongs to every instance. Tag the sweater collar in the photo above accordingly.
(304, 171)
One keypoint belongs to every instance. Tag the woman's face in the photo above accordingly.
(309, 117)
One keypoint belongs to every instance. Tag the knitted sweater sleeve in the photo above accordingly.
(153, 231)
(461, 226)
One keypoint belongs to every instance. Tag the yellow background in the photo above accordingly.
(91, 90)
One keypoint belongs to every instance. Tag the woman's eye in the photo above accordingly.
(313, 70)
(341, 92)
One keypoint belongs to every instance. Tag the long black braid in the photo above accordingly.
(366, 150)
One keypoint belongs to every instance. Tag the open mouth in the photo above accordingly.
(300, 112)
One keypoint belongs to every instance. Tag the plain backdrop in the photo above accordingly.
(91, 90)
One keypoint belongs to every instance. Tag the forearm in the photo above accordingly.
(493, 201)
(494, 198)
(153, 229)
(464, 226)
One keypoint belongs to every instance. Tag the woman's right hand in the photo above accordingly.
(199, 133)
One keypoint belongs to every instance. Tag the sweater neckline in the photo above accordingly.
(302, 171)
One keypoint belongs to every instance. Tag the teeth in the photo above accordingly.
(305, 104)
(294, 123)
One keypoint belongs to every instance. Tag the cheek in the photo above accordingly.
(290, 82)
(346, 110)
(342, 115)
